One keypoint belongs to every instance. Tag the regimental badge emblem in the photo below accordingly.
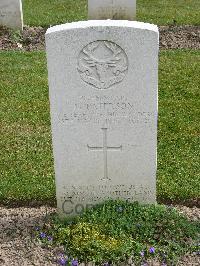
(102, 64)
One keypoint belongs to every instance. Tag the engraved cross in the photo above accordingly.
(105, 148)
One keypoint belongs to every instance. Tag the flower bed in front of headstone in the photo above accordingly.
(119, 232)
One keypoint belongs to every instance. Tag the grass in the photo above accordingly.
(26, 158)
(116, 231)
(161, 12)
(25, 146)
(179, 118)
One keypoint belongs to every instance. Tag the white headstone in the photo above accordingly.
(11, 14)
(103, 78)
(112, 9)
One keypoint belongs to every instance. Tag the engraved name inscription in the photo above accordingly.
(115, 110)
(102, 64)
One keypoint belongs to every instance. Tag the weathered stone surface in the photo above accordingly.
(11, 14)
(112, 9)
(103, 78)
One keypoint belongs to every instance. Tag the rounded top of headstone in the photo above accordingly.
(103, 23)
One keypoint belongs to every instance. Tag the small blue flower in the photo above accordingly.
(152, 250)
(37, 228)
(74, 263)
(42, 235)
(62, 261)
(50, 238)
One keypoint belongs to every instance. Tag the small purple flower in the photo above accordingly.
(106, 264)
(142, 253)
(37, 228)
(62, 261)
(42, 235)
(152, 250)
(74, 263)
(50, 238)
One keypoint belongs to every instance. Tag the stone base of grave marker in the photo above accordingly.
(103, 81)
(11, 14)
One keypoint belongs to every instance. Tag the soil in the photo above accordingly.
(179, 37)
(32, 38)
(18, 246)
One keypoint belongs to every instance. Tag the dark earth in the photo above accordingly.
(32, 38)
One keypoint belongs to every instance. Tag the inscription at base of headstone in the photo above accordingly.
(112, 9)
(103, 79)
(11, 14)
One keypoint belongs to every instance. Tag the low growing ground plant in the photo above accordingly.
(118, 231)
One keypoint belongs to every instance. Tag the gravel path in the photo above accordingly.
(18, 247)
(32, 38)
